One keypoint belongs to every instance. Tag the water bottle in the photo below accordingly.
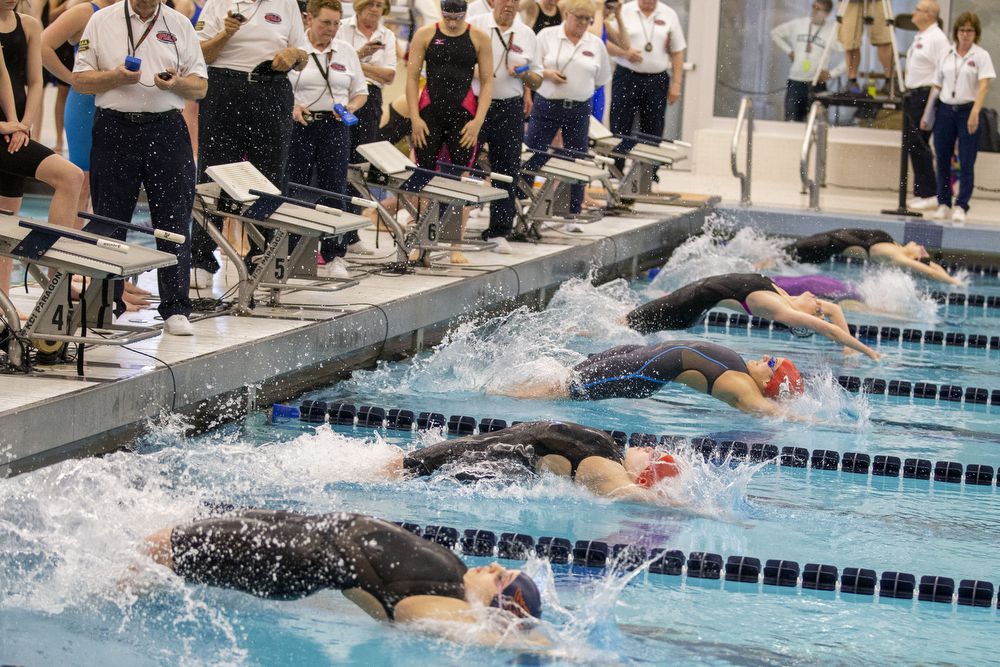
(283, 413)
(522, 69)
(132, 63)
(346, 116)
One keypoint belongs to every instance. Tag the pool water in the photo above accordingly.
(72, 532)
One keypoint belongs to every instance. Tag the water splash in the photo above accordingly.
(893, 291)
(826, 402)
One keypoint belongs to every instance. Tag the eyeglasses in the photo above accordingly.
(583, 18)
(967, 30)
(452, 16)
(820, 8)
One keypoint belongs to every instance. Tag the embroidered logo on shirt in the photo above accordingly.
(587, 53)
(199, 25)
(438, 42)
(272, 18)
(84, 45)
(516, 49)
(166, 37)
(972, 63)
(338, 67)
(660, 22)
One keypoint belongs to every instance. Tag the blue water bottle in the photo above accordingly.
(346, 116)
(522, 69)
(132, 63)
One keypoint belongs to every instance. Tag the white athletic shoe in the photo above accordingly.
(360, 248)
(943, 212)
(922, 203)
(958, 216)
(572, 228)
(501, 247)
(335, 268)
(178, 325)
(403, 217)
(201, 279)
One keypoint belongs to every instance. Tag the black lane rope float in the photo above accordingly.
(981, 270)
(598, 555)
(716, 451)
(970, 300)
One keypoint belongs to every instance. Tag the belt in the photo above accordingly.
(321, 115)
(957, 107)
(508, 100)
(566, 104)
(139, 117)
(249, 77)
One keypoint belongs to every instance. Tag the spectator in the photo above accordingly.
(805, 40)
(879, 33)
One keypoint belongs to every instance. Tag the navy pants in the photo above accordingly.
(503, 132)
(239, 120)
(550, 116)
(318, 156)
(797, 99)
(369, 117)
(918, 145)
(156, 154)
(642, 96)
(951, 125)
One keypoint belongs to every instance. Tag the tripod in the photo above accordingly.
(867, 21)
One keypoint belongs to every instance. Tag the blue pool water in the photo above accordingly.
(68, 574)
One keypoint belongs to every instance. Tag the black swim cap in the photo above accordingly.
(454, 6)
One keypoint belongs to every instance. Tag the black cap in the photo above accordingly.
(454, 6)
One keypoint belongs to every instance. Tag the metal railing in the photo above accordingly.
(744, 117)
(817, 130)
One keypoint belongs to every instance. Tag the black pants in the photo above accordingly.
(156, 155)
(550, 116)
(444, 133)
(239, 120)
(638, 95)
(797, 98)
(369, 117)
(503, 132)
(318, 156)
(917, 143)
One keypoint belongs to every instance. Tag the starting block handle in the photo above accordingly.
(158, 233)
(503, 178)
(660, 140)
(70, 234)
(583, 156)
(431, 172)
(357, 201)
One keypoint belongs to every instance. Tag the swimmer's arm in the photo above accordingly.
(756, 404)
(834, 331)
(932, 270)
(455, 620)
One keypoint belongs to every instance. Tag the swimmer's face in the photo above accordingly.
(483, 583)
(636, 459)
(915, 250)
(762, 370)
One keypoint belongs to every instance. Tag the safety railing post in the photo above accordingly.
(743, 118)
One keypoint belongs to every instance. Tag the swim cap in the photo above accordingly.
(454, 6)
(520, 597)
(658, 469)
(785, 381)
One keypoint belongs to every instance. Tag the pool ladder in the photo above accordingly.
(817, 131)
(743, 118)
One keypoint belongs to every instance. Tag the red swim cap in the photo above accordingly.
(658, 469)
(786, 381)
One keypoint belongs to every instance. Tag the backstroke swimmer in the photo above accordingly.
(639, 371)
(755, 295)
(392, 574)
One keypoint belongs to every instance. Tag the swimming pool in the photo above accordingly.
(75, 528)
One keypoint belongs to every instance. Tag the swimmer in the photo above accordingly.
(754, 294)
(872, 244)
(638, 371)
(844, 294)
(588, 456)
(392, 574)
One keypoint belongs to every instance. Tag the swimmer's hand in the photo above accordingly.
(458, 621)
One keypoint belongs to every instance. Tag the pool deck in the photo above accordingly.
(236, 364)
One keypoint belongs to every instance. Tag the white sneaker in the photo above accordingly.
(572, 228)
(922, 203)
(178, 325)
(403, 217)
(201, 278)
(360, 248)
(943, 212)
(958, 216)
(335, 268)
(501, 246)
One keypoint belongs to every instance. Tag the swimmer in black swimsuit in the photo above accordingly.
(872, 244)
(755, 295)
(392, 574)
(589, 456)
(638, 371)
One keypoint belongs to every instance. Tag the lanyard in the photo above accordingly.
(256, 8)
(562, 69)
(958, 71)
(506, 49)
(326, 73)
(149, 28)
(642, 24)
(810, 36)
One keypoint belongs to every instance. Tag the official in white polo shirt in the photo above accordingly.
(514, 46)
(375, 45)
(961, 83)
(652, 73)
(140, 138)
(805, 40)
(928, 47)
(321, 141)
(574, 63)
(249, 48)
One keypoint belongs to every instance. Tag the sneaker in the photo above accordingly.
(958, 216)
(943, 212)
(922, 203)
(501, 247)
(572, 228)
(403, 217)
(178, 325)
(360, 248)
(201, 278)
(334, 268)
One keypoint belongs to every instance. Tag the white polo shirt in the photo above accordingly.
(270, 26)
(518, 47)
(807, 42)
(959, 77)
(341, 68)
(923, 56)
(661, 30)
(384, 57)
(171, 42)
(477, 8)
(585, 64)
